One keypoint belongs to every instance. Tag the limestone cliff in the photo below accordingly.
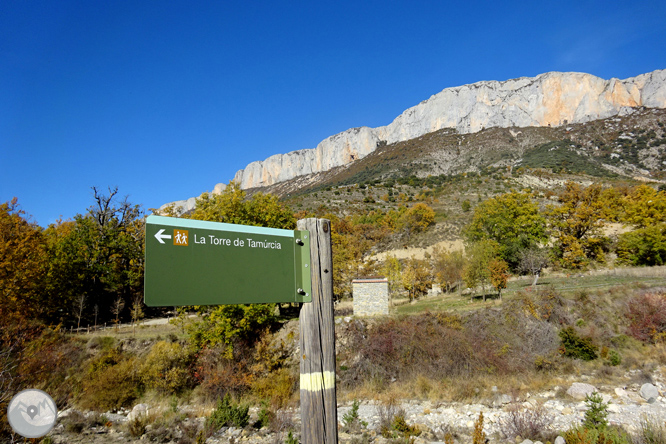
(553, 98)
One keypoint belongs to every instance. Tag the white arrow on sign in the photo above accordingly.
(159, 236)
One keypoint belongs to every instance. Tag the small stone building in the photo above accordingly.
(371, 296)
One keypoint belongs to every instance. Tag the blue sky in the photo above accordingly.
(165, 99)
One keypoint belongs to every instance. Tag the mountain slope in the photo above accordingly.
(550, 99)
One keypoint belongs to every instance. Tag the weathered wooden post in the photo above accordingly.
(319, 413)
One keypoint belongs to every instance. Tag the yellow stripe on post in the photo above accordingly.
(314, 382)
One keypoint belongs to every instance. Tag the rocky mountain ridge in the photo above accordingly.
(550, 99)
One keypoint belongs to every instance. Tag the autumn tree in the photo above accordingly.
(577, 224)
(644, 210)
(136, 311)
(416, 278)
(23, 265)
(512, 221)
(644, 206)
(448, 268)
(392, 270)
(499, 275)
(417, 218)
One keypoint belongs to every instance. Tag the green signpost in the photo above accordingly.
(192, 262)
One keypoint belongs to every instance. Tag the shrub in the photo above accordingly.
(573, 346)
(614, 359)
(644, 246)
(581, 435)
(228, 414)
(530, 423)
(278, 387)
(111, 381)
(51, 362)
(264, 417)
(402, 428)
(218, 375)
(166, 368)
(647, 316)
(137, 426)
(424, 345)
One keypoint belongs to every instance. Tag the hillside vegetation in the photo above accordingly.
(519, 308)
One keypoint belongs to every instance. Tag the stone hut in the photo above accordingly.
(371, 296)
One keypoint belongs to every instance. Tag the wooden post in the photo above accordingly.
(319, 410)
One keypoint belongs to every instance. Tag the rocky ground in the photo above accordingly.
(564, 406)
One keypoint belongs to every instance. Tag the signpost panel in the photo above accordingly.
(192, 262)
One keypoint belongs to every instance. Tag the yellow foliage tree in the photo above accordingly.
(416, 278)
(577, 222)
(23, 265)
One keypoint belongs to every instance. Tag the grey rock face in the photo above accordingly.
(550, 99)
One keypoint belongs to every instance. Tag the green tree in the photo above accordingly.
(512, 221)
(643, 246)
(477, 271)
(98, 256)
(228, 324)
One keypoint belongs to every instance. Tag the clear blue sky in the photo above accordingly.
(165, 99)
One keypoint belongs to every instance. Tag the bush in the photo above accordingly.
(581, 435)
(218, 375)
(111, 381)
(51, 362)
(228, 414)
(278, 387)
(573, 346)
(614, 359)
(166, 368)
(530, 423)
(647, 316)
(419, 345)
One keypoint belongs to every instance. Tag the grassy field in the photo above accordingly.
(566, 284)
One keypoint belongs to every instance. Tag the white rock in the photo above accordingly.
(580, 390)
(614, 408)
(137, 411)
(649, 392)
